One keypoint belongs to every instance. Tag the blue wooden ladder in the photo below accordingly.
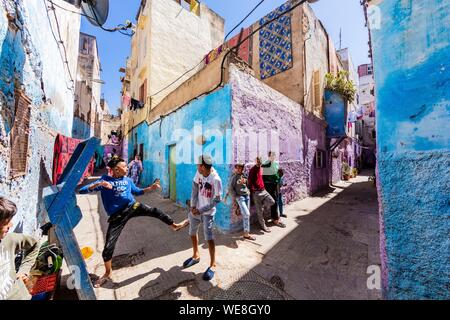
(64, 214)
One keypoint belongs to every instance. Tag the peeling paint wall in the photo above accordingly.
(274, 122)
(209, 115)
(411, 62)
(244, 107)
(30, 60)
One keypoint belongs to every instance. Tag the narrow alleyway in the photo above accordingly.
(324, 252)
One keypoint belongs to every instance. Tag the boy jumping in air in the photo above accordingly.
(117, 196)
(206, 194)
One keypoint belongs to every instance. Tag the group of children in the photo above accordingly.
(262, 185)
(117, 193)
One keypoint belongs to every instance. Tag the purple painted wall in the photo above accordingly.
(256, 108)
(314, 132)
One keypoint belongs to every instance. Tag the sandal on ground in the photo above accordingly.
(208, 275)
(249, 238)
(190, 262)
(280, 224)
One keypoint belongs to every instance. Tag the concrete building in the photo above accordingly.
(88, 111)
(108, 123)
(237, 122)
(353, 143)
(411, 71)
(367, 101)
(285, 63)
(302, 147)
(171, 37)
(292, 55)
(36, 98)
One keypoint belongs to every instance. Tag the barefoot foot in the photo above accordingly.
(181, 225)
(101, 281)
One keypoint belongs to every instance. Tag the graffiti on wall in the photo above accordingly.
(275, 43)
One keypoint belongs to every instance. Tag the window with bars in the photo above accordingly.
(20, 135)
(320, 159)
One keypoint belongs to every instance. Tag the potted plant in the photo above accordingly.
(345, 171)
(354, 173)
(341, 84)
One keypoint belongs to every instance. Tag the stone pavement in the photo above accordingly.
(324, 252)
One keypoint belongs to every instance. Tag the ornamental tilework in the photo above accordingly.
(275, 43)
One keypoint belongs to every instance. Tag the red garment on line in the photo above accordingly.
(63, 149)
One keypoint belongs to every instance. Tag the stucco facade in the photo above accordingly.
(413, 146)
(29, 60)
(169, 41)
(88, 111)
(312, 55)
(243, 119)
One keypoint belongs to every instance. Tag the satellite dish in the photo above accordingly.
(96, 11)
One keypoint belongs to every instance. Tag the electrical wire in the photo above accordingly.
(173, 82)
(245, 18)
(194, 67)
(57, 5)
(120, 30)
(122, 27)
(59, 42)
(238, 44)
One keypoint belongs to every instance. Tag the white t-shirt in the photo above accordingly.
(209, 188)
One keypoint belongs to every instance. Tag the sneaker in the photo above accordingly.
(283, 215)
(266, 230)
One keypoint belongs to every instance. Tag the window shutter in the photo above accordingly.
(20, 135)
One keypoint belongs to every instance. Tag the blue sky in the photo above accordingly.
(334, 14)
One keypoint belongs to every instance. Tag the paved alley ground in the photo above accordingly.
(324, 252)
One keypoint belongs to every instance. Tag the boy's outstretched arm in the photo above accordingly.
(95, 186)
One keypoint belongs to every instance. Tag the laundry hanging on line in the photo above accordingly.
(136, 104)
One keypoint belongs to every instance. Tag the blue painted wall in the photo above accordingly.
(80, 129)
(30, 60)
(412, 68)
(213, 112)
(335, 114)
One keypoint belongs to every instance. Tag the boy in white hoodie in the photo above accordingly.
(206, 194)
